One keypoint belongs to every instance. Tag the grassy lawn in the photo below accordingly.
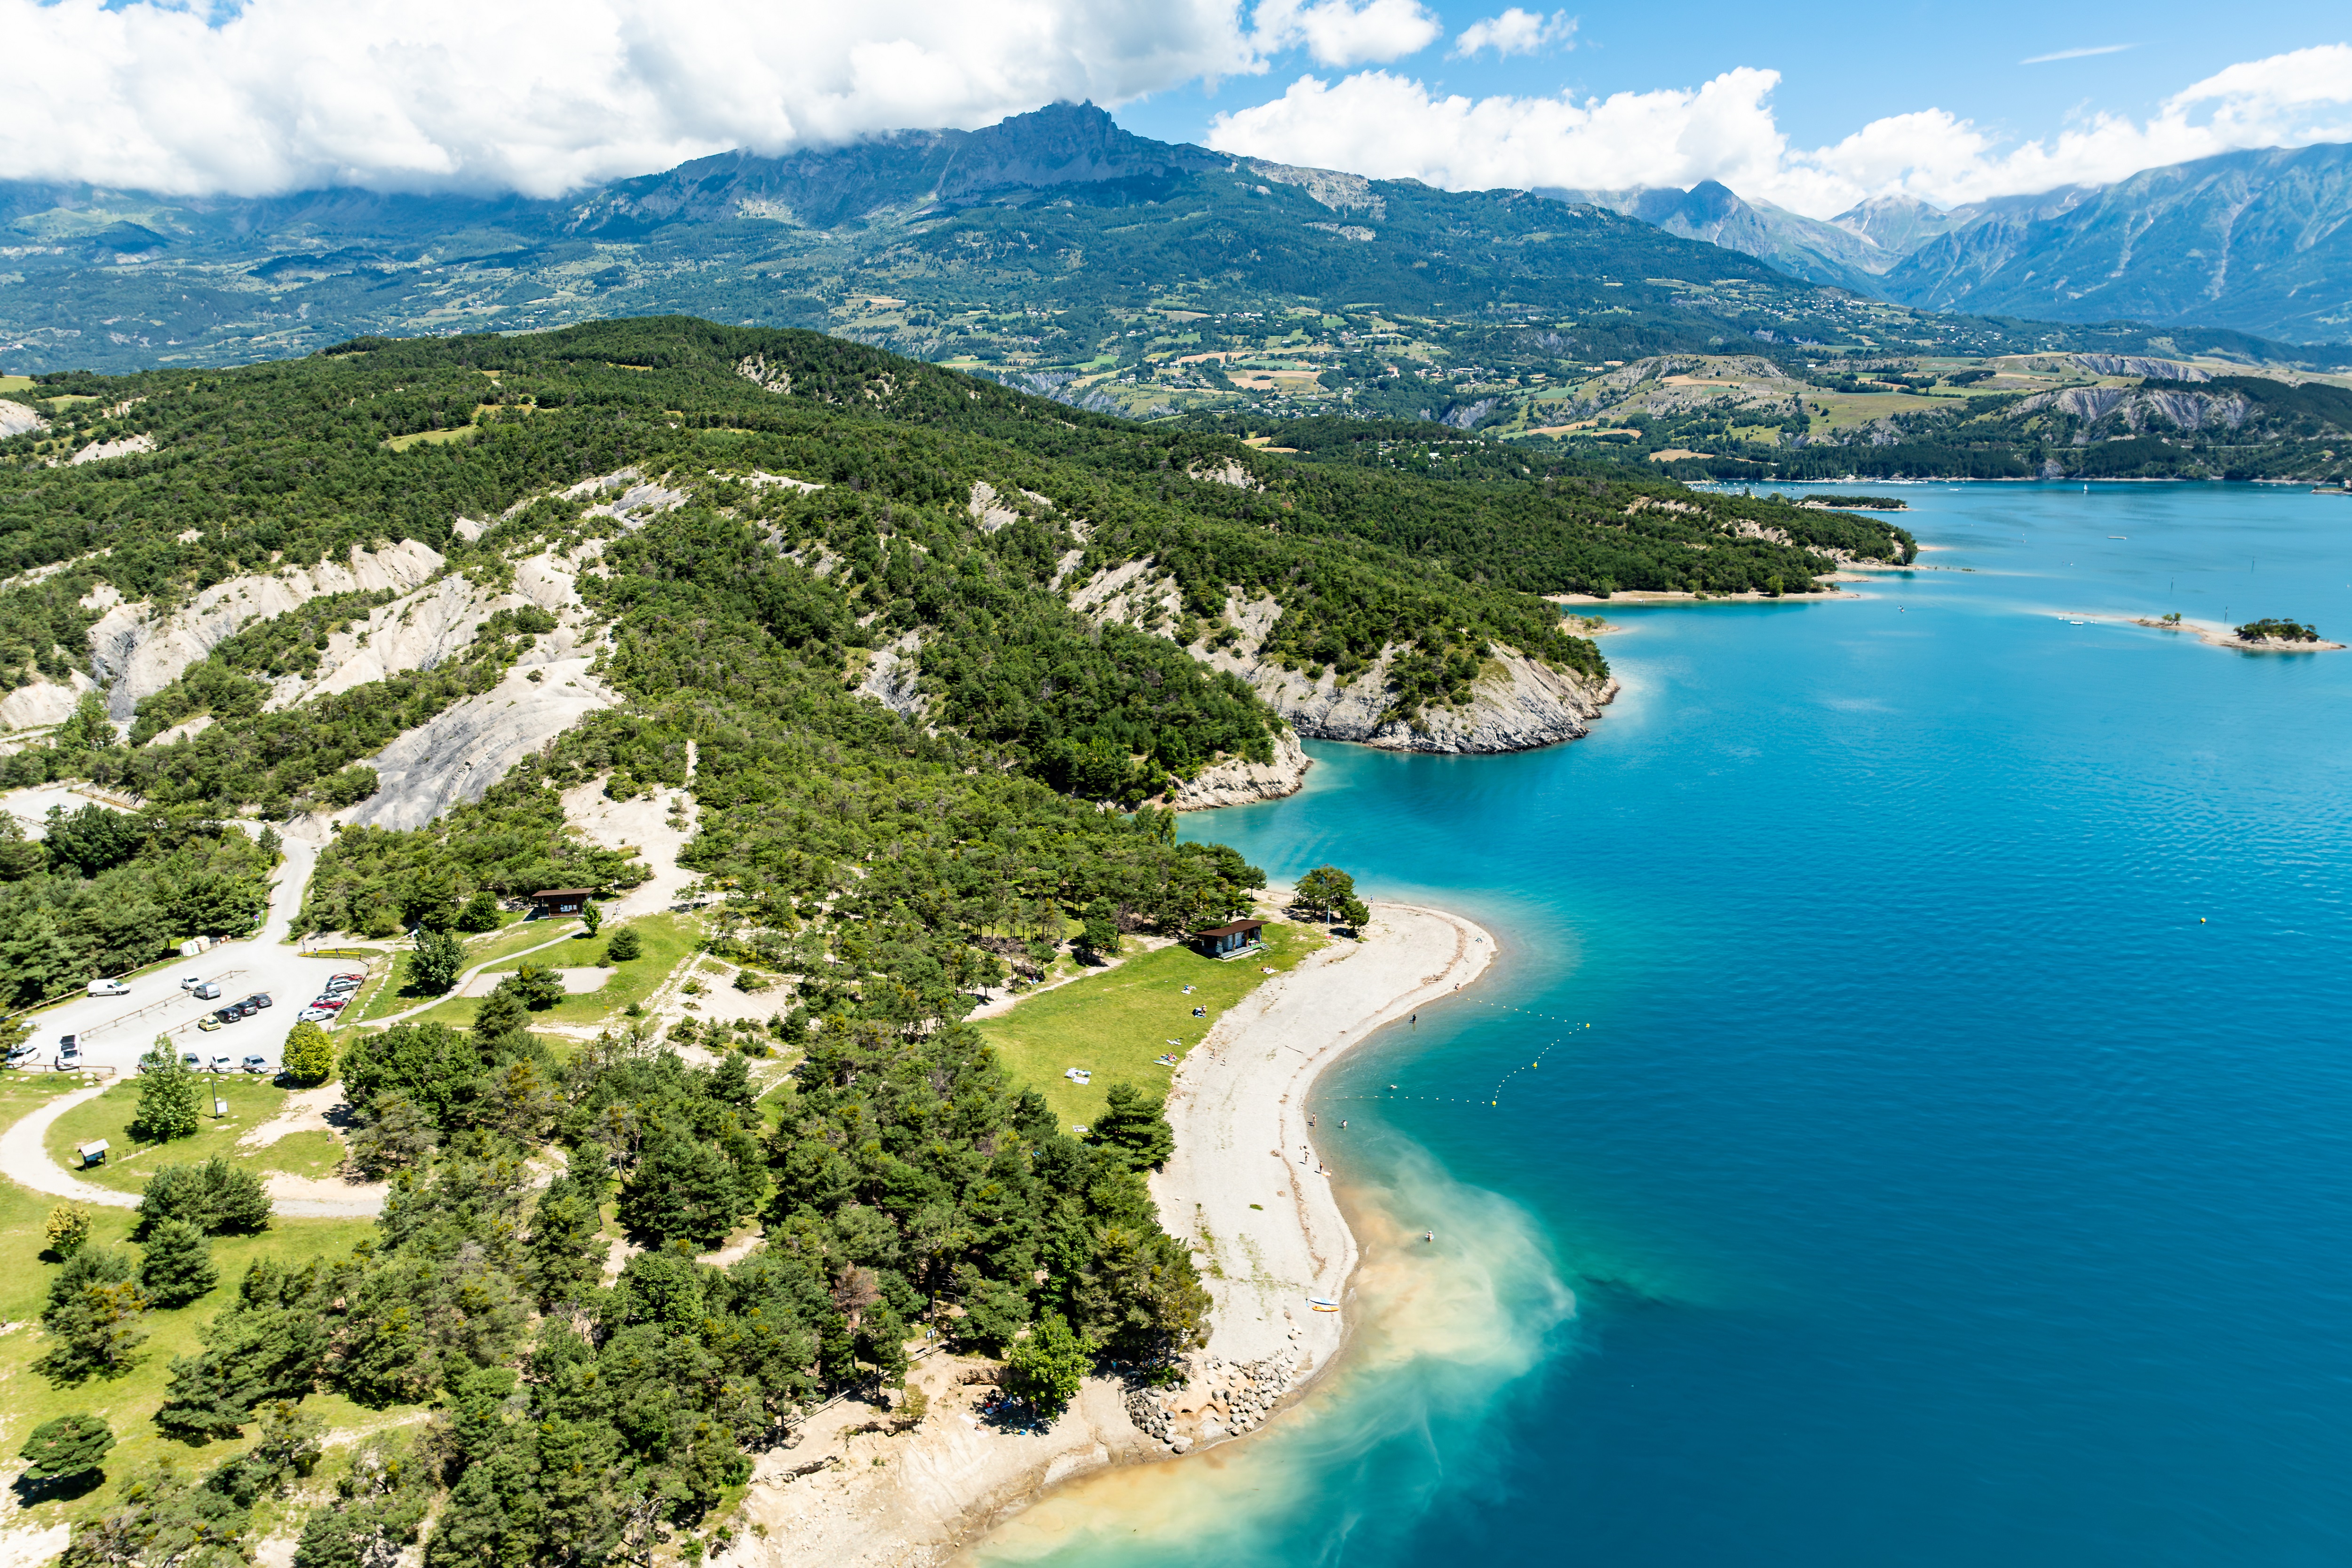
(397, 994)
(1114, 1022)
(127, 1402)
(668, 940)
(251, 1101)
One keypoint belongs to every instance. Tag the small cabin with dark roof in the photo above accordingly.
(1225, 940)
(560, 900)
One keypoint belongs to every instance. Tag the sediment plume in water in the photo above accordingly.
(1441, 1330)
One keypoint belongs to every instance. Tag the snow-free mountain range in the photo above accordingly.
(2256, 240)
(1062, 209)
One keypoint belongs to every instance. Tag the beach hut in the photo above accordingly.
(1225, 940)
(560, 900)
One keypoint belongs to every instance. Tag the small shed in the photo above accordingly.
(560, 900)
(92, 1153)
(1225, 940)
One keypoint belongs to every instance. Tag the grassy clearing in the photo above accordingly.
(127, 1402)
(251, 1102)
(669, 940)
(1113, 1022)
(398, 991)
(17, 384)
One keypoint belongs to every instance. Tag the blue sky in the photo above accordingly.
(1814, 107)
(1843, 64)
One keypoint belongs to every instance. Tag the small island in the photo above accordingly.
(2266, 636)
(1856, 503)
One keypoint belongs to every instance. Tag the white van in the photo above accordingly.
(109, 988)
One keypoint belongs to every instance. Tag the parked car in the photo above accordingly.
(256, 1064)
(340, 987)
(109, 988)
(333, 1004)
(209, 991)
(190, 981)
(315, 1015)
(228, 1015)
(355, 977)
(19, 1055)
(247, 1009)
(261, 999)
(69, 1053)
(194, 1062)
(219, 1064)
(208, 1023)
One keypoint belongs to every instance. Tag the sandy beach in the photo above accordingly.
(853, 1492)
(1244, 1183)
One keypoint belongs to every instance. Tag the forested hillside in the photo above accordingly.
(732, 531)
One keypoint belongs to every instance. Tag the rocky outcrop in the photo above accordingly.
(1515, 705)
(137, 652)
(1239, 782)
(129, 447)
(456, 755)
(43, 702)
(15, 418)
(893, 677)
(1220, 1399)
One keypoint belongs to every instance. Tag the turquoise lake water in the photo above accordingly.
(1958, 1168)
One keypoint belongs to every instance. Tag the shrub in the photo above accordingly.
(625, 945)
(435, 964)
(591, 917)
(67, 1231)
(309, 1054)
(480, 913)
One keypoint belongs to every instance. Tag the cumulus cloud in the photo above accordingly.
(1339, 34)
(1515, 32)
(1391, 126)
(543, 96)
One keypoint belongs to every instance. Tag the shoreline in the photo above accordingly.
(1239, 1109)
(852, 1493)
(2222, 636)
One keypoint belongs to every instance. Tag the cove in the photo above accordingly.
(1954, 1168)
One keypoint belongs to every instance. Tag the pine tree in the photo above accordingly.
(177, 1267)
(1134, 1127)
(625, 945)
(480, 913)
(68, 1452)
(93, 1315)
(167, 1097)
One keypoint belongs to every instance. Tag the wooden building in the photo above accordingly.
(560, 900)
(1225, 941)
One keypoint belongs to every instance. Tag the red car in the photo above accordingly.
(330, 1003)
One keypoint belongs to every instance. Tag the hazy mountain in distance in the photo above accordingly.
(2260, 241)
(1709, 211)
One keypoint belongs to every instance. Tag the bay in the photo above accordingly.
(1908, 1122)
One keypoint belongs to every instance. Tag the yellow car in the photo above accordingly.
(209, 1022)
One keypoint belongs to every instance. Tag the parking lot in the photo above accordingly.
(116, 1031)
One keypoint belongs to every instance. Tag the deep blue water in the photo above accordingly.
(1955, 1168)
